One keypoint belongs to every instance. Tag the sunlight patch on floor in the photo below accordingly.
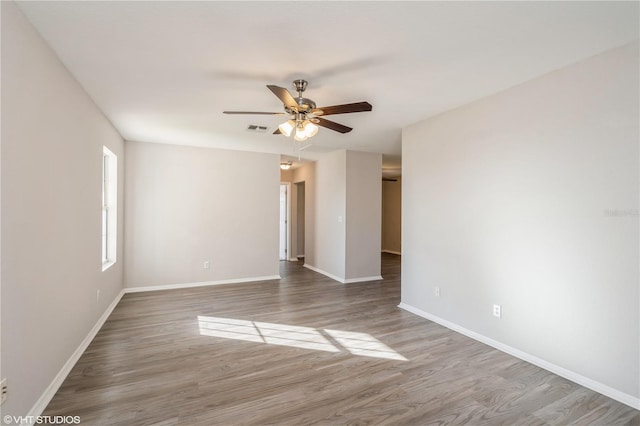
(360, 344)
(364, 344)
(263, 332)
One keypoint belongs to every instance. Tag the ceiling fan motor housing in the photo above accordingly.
(305, 105)
(300, 85)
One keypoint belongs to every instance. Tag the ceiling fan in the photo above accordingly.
(305, 117)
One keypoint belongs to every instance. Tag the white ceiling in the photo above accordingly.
(165, 71)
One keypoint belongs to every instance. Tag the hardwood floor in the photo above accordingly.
(308, 350)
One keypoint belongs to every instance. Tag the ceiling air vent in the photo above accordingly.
(256, 128)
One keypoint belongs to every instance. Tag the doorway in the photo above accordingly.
(284, 221)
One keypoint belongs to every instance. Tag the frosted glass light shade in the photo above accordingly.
(301, 135)
(310, 129)
(286, 127)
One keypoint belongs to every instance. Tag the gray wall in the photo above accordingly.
(331, 211)
(52, 138)
(529, 199)
(392, 216)
(364, 214)
(187, 205)
(343, 214)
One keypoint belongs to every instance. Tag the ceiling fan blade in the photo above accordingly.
(284, 95)
(253, 112)
(333, 125)
(343, 109)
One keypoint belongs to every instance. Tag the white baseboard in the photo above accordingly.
(340, 279)
(392, 252)
(200, 284)
(362, 279)
(325, 273)
(596, 386)
(293, 259)
(53, 387)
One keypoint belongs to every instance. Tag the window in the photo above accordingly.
(109, 207)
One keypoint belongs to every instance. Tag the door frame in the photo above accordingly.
(288, 223)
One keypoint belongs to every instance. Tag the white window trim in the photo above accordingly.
(110, 206)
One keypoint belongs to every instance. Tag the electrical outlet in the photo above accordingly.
(3, 385)
(497, 311)
(207, 264)
(436, 291)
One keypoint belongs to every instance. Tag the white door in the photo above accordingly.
(283, 222)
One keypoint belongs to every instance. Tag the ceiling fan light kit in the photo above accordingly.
(304, 130)
(304, 115)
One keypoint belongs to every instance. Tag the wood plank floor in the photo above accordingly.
(308, 350)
